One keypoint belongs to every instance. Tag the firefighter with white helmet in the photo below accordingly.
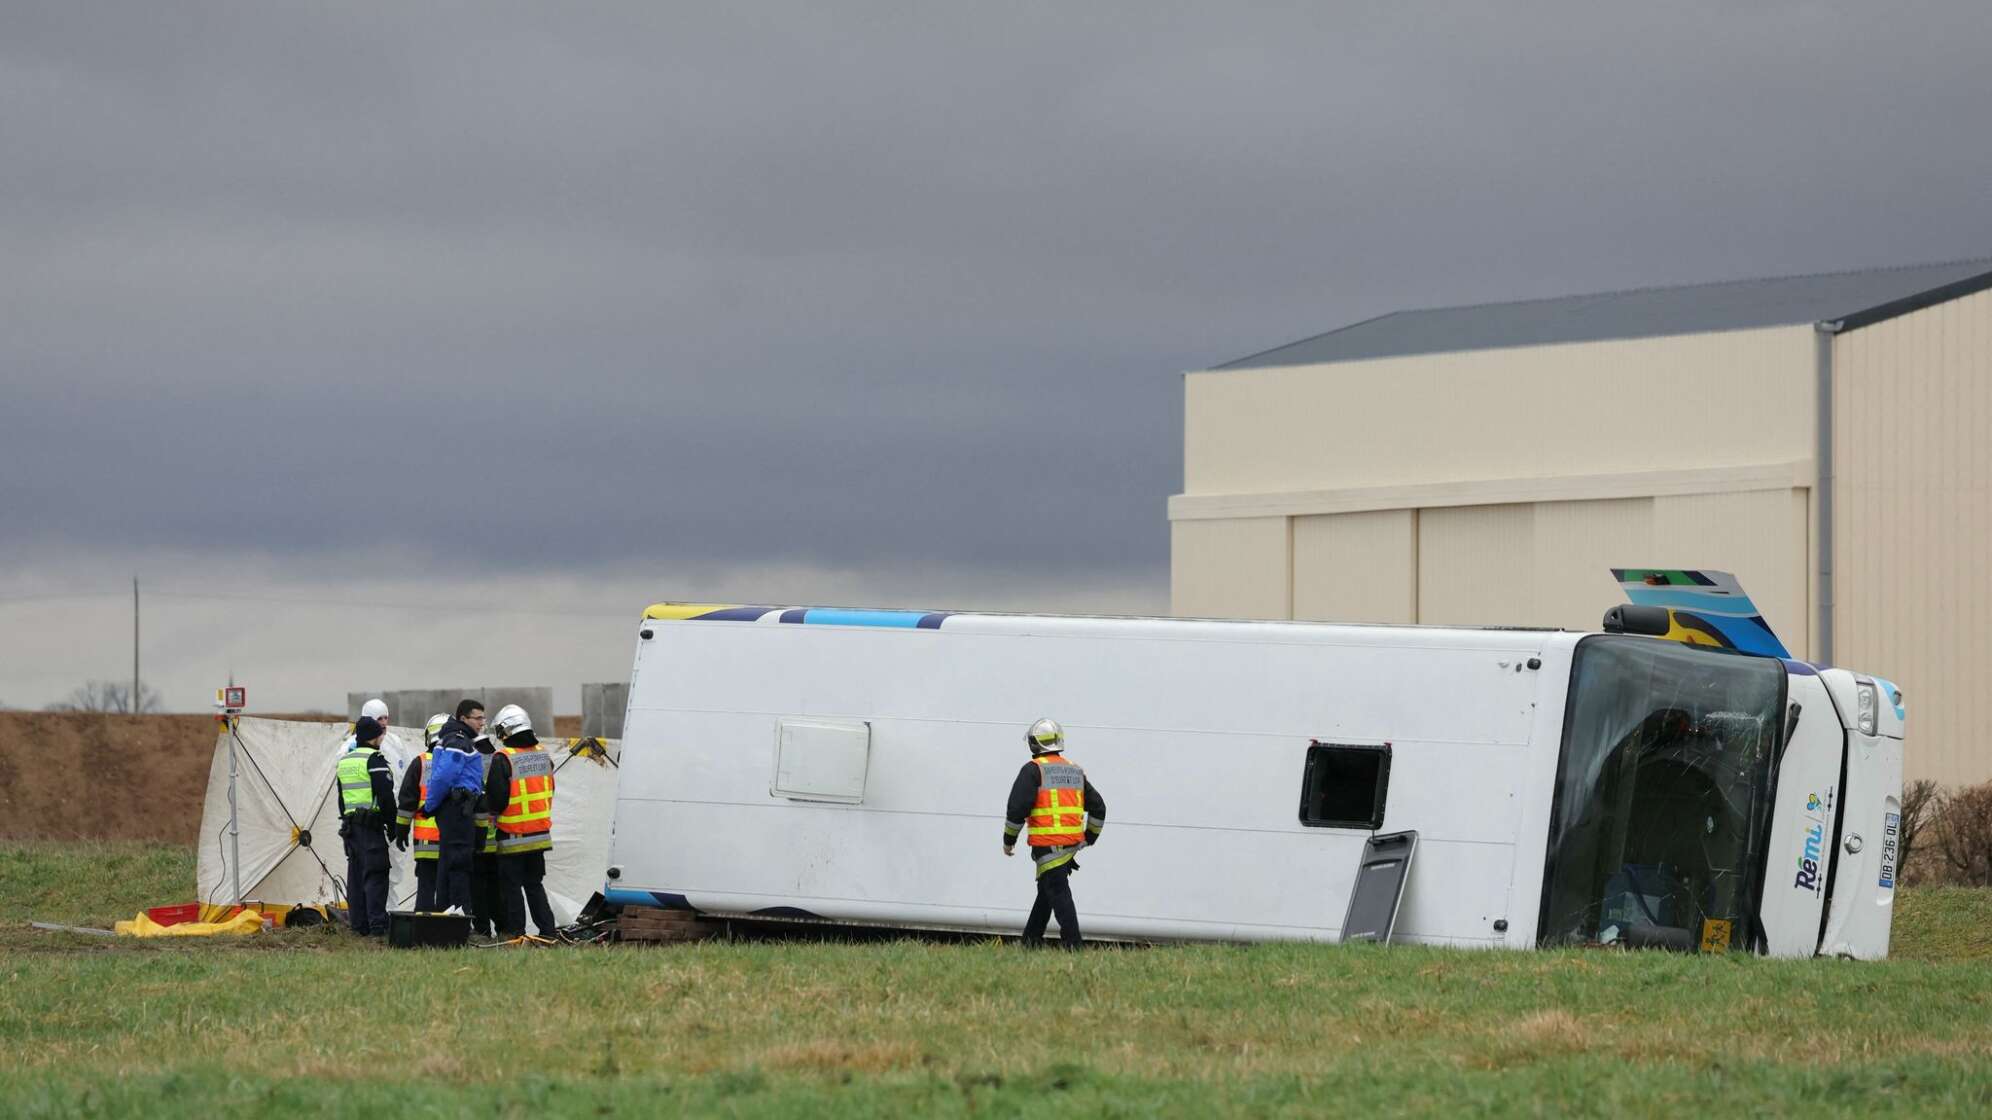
(510, 720)
(411, 822)
(1057, 803)
(518, 793)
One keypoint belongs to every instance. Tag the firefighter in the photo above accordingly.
(487, 907)
(366, 803)
(1064, 814)
(519, 794)
(412, 823)
(454, 786)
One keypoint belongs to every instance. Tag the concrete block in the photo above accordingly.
(602, 709)
(537, 700)
(412, 707)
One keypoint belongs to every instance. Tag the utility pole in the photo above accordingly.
(134, 645)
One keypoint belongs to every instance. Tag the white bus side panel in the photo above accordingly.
(1197, 745)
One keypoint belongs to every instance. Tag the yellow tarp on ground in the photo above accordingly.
(277, 912)
(248, 921)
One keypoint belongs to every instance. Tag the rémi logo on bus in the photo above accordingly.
(1808, 860)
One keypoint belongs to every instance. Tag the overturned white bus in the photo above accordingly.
(850, 766)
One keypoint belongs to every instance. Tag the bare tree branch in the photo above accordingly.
(1920, 799)
(108, 696)
(1964, 834)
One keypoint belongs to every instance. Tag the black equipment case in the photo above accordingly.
(413, 929)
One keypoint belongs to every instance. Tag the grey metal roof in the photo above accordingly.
(1854, 299)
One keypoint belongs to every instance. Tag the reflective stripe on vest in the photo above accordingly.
(355, 784)
(510, 845)
(428, 838)
(487, 829)
(1048, 858)
(527, 822)
(1059, 818)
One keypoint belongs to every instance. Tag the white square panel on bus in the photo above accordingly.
(821, 760)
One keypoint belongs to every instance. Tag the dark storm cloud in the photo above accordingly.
(849, 284)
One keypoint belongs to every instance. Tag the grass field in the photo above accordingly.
(313, 1022)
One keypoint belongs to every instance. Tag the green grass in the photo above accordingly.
(90, 884)
(1942, 924)
(910, 1027)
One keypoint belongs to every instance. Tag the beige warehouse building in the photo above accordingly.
(1826, 438)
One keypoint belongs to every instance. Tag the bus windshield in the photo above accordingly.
(1663, 795)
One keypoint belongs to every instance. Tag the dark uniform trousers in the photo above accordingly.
(366, 872)
(487, 908)
(425, 884)
(455, 820)
(525, 889)
(1054, 897)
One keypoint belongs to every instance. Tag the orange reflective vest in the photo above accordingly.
(1058, 820)
(526, 825)
(428, 838)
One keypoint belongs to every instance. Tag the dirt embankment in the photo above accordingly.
(84, 776)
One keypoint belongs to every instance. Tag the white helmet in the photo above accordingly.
(376, 710)
(1045, 736)
(433, 731)
(510, 721)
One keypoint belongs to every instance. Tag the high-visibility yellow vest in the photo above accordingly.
(1058, 819)
(526, 825)
(356, 792)
(428, 838)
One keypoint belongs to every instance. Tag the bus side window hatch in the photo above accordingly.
(1379, 889)
(1344, 785)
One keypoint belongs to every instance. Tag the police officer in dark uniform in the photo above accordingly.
(365, 785)
(487, 907)
(456, 783)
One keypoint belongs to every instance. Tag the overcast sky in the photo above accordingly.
(375, 313)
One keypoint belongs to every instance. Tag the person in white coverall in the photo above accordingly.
(390, 745)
